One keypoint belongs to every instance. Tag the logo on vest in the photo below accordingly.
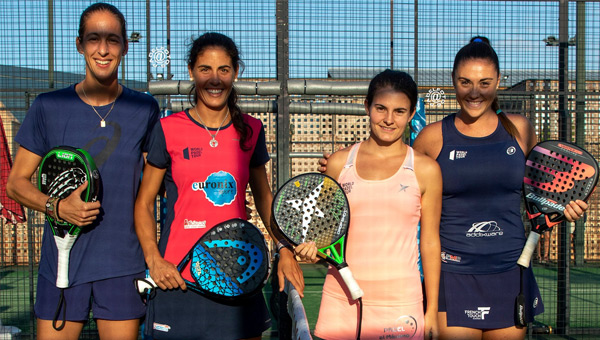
(457, 154)
(220, 188)
(485, 229)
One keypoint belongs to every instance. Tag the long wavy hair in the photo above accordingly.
(210, 40)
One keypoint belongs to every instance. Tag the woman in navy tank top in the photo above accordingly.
(481, 151)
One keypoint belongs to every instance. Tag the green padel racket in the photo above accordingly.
(314, 207)
(62, 170)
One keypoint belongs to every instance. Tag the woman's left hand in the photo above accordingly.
(431, 326)
(575, 210)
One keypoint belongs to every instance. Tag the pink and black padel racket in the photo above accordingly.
(557, 173)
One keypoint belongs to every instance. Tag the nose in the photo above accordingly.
(103, 47)
(214, 78)
(389, 117)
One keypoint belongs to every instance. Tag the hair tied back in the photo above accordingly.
(477, 40)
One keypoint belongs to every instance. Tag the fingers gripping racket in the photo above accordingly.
(314, 207)
(62, 170)
(230, 261)
(556, 173)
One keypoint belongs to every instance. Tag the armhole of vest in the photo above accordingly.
(351, 156)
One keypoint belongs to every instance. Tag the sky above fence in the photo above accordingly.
(323, 34)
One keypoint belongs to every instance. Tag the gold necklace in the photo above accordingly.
(102, 122)
(213, 142)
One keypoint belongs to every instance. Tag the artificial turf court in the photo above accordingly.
(584, 312)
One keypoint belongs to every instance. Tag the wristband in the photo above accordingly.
(284, 244)
(51, 206)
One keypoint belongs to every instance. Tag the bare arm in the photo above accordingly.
(163, 272)
(430, 141)
(288, 267)
(19, 188)
(430, 180)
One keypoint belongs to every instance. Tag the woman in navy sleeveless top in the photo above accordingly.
(481, 151)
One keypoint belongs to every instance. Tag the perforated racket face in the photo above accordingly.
(312, 207)
(557, 173)
(63, 170)
(230, 261)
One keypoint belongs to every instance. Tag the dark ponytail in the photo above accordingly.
(480, 48)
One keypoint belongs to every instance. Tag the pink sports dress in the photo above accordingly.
(382, 252)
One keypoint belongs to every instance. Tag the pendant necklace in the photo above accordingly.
(102, 119)
(213, 142)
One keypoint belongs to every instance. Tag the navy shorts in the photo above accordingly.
(177, 314)
(487, 301)
(109, 299)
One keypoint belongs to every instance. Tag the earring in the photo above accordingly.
(191, 79)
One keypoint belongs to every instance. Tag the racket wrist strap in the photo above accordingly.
(56, 214)
(284, 244)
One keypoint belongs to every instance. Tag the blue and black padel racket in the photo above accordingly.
(230, 261)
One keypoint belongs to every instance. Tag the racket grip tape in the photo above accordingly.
(63, 245)
(353, 287)
(528, 250)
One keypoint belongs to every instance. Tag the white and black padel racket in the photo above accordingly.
(556, 173)
(62, 170)
(230, 261)
(314, 207)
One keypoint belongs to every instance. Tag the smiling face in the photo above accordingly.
(213, 74)
(390, 113)
(103, 45)
(476, 82)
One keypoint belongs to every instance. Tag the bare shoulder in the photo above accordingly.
(336, 162)
(430, 140)
(526, 131)
(426, 165)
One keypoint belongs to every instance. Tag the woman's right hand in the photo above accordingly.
(307, 252)
(165, 274)
(323, 162)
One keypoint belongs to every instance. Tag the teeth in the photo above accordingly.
(215, 91)
(101, 62)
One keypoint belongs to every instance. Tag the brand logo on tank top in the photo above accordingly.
(347, 187)
(478, 314)
(511, 150)
(457, 154)
(402, 328)
(220, 188)
(189, 153)
(485, 229)
(191, 224)
(450, 258)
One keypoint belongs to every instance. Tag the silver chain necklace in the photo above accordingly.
(102, 119)
(213, 142)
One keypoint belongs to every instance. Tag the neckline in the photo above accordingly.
(453, 126)
(187, 113)
(400, 168)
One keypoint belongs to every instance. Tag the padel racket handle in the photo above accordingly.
(353, 287)
(145, 284)
(64, 245)
(528, 250)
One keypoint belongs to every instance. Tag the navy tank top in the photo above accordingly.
(481, 229)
